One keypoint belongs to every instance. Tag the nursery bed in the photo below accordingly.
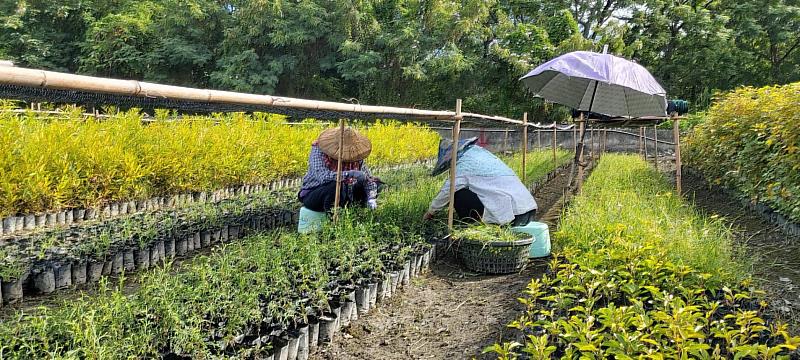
(776, 254)
(450, 313)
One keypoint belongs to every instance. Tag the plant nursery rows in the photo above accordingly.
(253, 297)
(642, 274)
(64, 162)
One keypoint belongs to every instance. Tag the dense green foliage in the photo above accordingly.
(750, 142)
(642, 275)
(404, 52)
(205, 307)
(65, 161)
(210, 304)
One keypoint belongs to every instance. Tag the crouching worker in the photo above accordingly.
(487, 189)
(359, 188)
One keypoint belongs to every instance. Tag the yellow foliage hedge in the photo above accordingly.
(50, 162)
(751, 143)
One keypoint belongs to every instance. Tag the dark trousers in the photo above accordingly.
(469, 208)
(322, 197)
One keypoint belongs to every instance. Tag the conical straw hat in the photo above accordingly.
(356, 146)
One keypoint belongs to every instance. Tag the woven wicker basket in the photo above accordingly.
(494, 257)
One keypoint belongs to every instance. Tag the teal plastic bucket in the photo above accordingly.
(310, 221)
(541, 238)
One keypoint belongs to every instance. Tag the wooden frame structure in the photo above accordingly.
(23, 79)
(641, 123)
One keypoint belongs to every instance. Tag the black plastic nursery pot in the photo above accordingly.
(494, 257)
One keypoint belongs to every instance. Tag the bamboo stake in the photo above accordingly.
(554, 141)
(605, 140)
(644, 130)
(578, 158)
(641, 138)
(338, 195)
(677, 134)
(538, 138)
(453, 158)
(579, 155)
(574, 137)
(505, 141)
(655, 153)
(525, 143)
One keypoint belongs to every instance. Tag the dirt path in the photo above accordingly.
(447, 314)
(776, 255)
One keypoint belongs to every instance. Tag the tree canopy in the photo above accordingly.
(421, 53)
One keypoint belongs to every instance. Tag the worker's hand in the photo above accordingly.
(372, 203)
(428, 215)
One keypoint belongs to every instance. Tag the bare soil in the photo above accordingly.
(450, 313)
(775, 255)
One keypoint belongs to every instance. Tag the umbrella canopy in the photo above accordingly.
(600, 83)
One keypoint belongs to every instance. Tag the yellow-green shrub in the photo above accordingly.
(751, 142)
(49, 162)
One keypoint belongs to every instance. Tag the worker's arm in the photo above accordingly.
(443, 197)
(371, 186)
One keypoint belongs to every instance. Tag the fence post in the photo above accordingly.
(453, 159)
(554, 141)
(525, 143)
(676, 131)
(655, 153)
(338, 195)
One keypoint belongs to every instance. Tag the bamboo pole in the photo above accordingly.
(505, 141)
(641, 138)
(677, 134)
(338, 195)
(576, 166)
(579, 155)
(605, 140)
(644, 130)
(538, 138)
(655, 153)
(453, 158)
(554, 141)
(525, 143)
(574, 137)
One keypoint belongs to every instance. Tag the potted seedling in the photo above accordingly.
(492, 249)
(12, 275)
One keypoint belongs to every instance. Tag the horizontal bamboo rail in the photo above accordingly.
(62, 81)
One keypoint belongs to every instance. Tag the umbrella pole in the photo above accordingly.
(338, 195)
(524, 144)
(453, 158)
(677, 134)
(554, 142)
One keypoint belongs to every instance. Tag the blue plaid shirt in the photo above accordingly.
(319, 174)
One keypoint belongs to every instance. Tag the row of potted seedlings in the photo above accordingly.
(42, 262)
(27, 222)
(346, 304)
(270, 296)
(15, 224)
(766, 212)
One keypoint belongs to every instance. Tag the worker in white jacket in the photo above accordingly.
(486, 188)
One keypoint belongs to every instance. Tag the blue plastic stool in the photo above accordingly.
(541, 238)
(310, 221)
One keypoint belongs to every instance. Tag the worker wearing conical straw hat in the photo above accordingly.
(359, 187)
(486, 188)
